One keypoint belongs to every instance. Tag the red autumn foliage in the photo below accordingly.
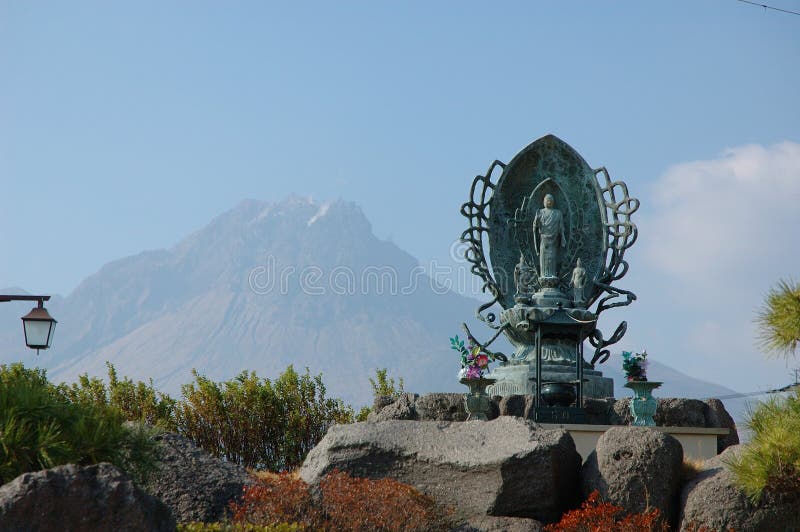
(595, 515)
(346, 503)
(281, 498)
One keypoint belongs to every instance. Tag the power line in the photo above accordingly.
(765, 6)
(786, 388)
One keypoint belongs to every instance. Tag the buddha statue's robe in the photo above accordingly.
(549, 226)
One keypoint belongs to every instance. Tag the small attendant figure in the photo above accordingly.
(578, 284)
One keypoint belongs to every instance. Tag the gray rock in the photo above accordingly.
(620, 413)
(512, 405)
(680, 412)
(80, 498)
(712, 500)
(504, 467)
(718, 417)
(195, 485)
(530, 404)
(381, 401)
(401, 408)
(441, 407)
(634, 467)
(488, 523)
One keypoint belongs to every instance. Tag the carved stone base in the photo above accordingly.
(516, 380)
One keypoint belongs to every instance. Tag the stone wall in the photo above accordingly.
(672, 412)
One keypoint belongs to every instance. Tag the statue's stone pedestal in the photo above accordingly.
(516, 379)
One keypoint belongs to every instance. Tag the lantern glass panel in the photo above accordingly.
(38, 334)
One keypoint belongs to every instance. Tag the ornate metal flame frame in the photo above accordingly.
(620, 234)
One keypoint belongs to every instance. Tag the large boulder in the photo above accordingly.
(504, 467)
(635, 468)
(713, 501)
(195, 485)
(80, 498)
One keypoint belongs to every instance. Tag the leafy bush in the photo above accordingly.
(345, 503)
(136, 401)
(257, 423)
(771, 461)
(41, 428)
(595, 515)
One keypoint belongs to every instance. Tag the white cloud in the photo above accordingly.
(736, 213)
(715, 235)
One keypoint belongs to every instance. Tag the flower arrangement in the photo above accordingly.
(635, 365)
(474, 360)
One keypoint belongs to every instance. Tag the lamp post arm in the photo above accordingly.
(41, 299)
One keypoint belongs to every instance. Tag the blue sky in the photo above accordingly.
(125, 126)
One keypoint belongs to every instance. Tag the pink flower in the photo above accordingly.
(473, 372)
(482, 360)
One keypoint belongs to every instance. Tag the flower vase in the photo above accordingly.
(643, 405)
(476, 401)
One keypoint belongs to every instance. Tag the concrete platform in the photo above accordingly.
(698, 443)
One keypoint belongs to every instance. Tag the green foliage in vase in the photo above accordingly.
(258, 423)
(771, 461)
(41, 428)
(778, 320)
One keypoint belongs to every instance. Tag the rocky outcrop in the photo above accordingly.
(672, 412)
(635, 468)
(441, 407)
(504, 467)
(712, 500)
(402, 407)
(680, 412)
(80, 498)
(193, 484)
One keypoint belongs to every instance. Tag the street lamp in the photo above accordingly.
(38, 325)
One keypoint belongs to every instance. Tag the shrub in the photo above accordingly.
(771, 461)
(345, 503)
(258, 423)
(382, 386)
(385, 385)
(41, 428)
(282, 498)
(385, 504)
(138, 401)
(595, 515)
